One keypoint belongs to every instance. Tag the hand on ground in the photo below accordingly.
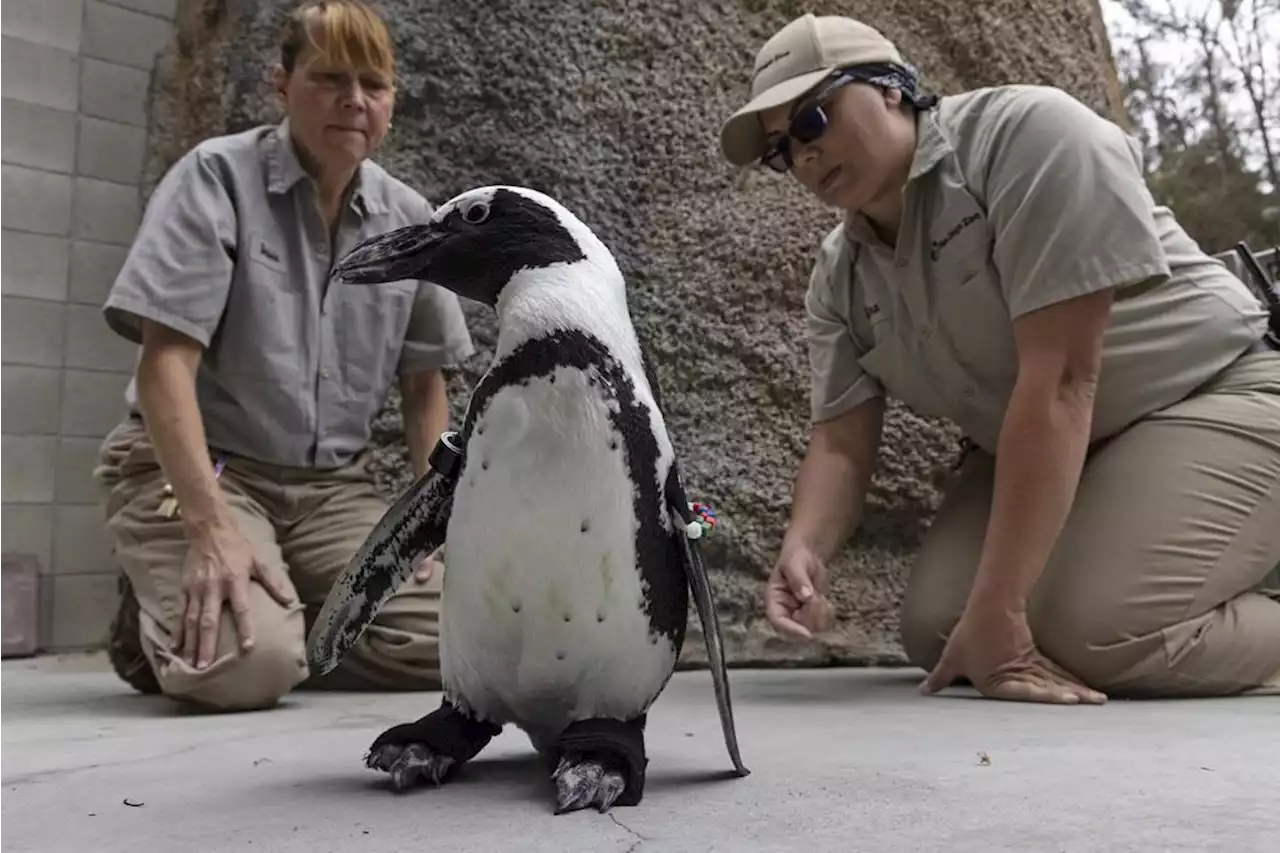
(996, 652)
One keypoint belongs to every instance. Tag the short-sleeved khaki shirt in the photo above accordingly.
(233, 252)
(1018, 197)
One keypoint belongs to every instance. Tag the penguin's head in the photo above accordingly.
(473, 244)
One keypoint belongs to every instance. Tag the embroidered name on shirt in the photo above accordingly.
(936, 247)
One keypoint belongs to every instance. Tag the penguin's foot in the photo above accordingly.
(584, 781)
(408, 764)
(431, 749)
(602, 764)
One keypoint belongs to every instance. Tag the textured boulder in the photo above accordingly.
(613, 107)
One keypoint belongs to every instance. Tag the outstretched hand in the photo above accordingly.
(795, 600)
(996, 652)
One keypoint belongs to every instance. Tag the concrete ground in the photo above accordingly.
(841, 759)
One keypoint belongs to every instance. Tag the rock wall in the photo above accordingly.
(614, 108)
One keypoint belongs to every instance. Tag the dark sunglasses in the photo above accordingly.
(808, 123)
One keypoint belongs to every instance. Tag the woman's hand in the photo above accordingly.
(795, 599)
(994, 649)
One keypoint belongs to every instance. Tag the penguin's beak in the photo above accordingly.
(399, 254)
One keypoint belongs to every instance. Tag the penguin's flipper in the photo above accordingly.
(696, 571)
(412, 527)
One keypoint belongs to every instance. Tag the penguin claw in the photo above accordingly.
(409, 764)
(581, 783)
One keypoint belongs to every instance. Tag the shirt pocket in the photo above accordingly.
(971, 316)
(262, 333)
(372, 322)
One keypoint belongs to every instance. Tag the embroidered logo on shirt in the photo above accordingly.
(871, 310)
(936, 246)
(268, 252)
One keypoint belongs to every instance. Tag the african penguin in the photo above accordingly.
(570, 550)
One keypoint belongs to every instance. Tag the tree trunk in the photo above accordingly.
(614, 107)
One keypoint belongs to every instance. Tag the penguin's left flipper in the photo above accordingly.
(696, 571)
(411, 528)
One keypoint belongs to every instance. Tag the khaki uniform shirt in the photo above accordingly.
(1018, 197)
(233, 252)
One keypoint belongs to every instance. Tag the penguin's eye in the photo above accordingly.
(476, 213)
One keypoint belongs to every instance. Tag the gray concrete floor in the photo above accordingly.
(841, 759)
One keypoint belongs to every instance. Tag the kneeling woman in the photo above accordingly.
(1003, 265)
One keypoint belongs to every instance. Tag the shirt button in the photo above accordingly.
(967, 392)
(925, 334)
(325, 373)
(902, 262)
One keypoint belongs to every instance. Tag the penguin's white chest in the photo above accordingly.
(543, 616)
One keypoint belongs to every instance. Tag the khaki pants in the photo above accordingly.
(305, 526)
(1155, 585)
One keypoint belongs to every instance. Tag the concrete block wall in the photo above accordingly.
(75, 81)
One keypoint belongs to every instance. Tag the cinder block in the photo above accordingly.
(40, 75)
(83, 606)
(27, 530)
(36, 201)
(55, 23)
(77, 457)
(28, 470)
(113, 92)
(33, 332)
(106, 212)
(21, 604)
(111, 150)
(123, 35)
(80, 543)
(162, 8)
(91, 343)
(94, 267)
(31, 400)
(39, 137)
(35, 265)
(92, 402)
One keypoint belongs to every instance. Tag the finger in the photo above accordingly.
(797, 577)
(238, 599)
(780, 618)
(191, 628)
(1084, 691)
(272, 582)
(942, 676)
(176, 645)
(1025, 689)
(210, 613)
(426, 569)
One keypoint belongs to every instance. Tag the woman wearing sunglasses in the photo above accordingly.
(1002, 264)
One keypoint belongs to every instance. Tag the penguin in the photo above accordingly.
(569, 543)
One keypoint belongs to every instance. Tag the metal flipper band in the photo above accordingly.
(446, 457)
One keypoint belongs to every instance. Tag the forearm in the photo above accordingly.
(1039, 457)
(167, 396)
(831, 485)
(424, 406)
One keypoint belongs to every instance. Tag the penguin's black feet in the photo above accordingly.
(431, 749)
(601, 764)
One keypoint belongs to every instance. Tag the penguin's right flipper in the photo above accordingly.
(414, 526)
(696, 571)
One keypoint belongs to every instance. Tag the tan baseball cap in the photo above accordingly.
(793, 61)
